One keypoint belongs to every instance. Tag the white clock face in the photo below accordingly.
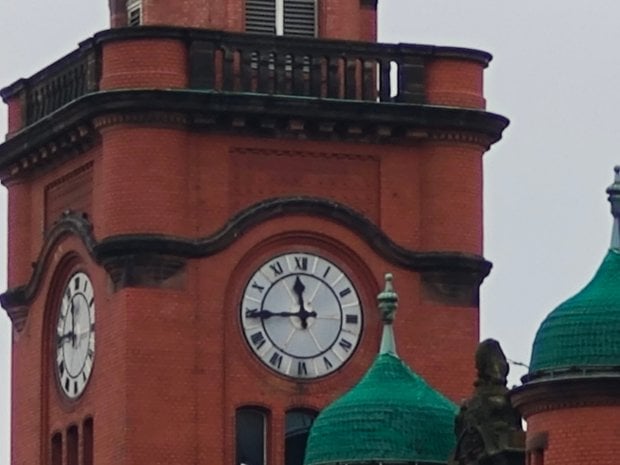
(75, 335)
(301, 315)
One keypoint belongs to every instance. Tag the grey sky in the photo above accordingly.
(555, 75)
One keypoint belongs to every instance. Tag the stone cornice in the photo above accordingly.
(252, 114)
(568, 392)
(16, 300)
(59, 145)
(125, 250)
(146, 117)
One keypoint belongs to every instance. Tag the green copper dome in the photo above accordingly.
(584, 331)
(391, 415)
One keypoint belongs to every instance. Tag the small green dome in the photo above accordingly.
(391, 415)
(584, 331)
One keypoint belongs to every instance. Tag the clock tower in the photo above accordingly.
(203, 200)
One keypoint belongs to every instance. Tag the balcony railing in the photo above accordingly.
(64, 81)
(236, 62)
(307, 68)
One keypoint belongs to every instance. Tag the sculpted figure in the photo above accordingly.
(488, 428)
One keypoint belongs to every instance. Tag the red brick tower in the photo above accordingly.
(223, 202)
(571, 395)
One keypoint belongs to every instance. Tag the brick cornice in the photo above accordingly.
(71, 126)
(568, 392)
(149, 251)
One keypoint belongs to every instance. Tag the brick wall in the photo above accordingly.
(143, 183)
(361, 23)
(71, 192)
(171, 364)
(450, 189)
(15, 115)
(455, 83)
(144, 64)
(576, 436)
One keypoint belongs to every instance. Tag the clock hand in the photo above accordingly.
(72, 323)
(299, 288)
(303, 314)
(63, 337)
(264, 314)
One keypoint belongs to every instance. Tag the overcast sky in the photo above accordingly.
(556, 75)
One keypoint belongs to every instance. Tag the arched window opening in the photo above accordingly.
(88, 444)
(250, 434)
(72, 445)
(56, 449)
(297, 428)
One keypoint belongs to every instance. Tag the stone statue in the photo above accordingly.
(488, 428)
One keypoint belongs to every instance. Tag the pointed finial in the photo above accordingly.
(388, 302)
(614, 199)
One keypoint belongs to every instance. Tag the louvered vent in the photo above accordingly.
(260, 16)
(134, 13)
(300, 18)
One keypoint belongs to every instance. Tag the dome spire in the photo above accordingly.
(388, 303)
(614, 200)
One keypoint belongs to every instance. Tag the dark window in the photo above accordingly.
(57, 449)
(281, 17)
(88, 442)
(298, 423)
(250, 426)
(72, 445)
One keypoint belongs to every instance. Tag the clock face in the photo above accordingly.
(301, 315)
(75, 335)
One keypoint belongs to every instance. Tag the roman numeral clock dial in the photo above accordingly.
(75, 336)
(301, 315)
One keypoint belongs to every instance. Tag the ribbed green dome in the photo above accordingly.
(391, 415)
(584, 331)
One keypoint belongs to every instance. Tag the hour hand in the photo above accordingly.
(264, 314)
(299, 288)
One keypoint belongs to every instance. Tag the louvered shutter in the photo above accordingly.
(134, 13)
(260, 16)
(300, 18)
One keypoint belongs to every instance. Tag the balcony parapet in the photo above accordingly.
(269, 65)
